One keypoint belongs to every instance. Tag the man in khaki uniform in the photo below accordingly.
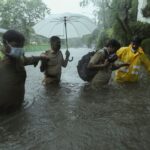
(53, 65)
(101, 61)
(12, 70)
(103, 75)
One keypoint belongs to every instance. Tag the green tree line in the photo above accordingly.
(22, 15)
(115, 19)
(118, 19)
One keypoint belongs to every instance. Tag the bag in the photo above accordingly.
(85, 73)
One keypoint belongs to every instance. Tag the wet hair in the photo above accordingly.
(136, 40)
(13, 36)
(113, 43)
(53, 38)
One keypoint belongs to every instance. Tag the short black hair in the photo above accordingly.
(54, 38)
(14, 36)
(137, 40)
(113, 43)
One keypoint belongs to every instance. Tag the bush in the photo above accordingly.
(146, 11)
(140, 29)
(120, 35)
(146, 45)
(102, 40)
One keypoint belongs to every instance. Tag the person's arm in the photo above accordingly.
(98, 66)
(44, 61)
(65, 61)
(33, 60)
(95, 59)
(117, 66)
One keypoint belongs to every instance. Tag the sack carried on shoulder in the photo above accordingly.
(85, 73)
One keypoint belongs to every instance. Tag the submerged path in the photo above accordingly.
(72, 117)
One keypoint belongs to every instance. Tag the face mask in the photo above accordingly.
(135, 47)
(15, 52)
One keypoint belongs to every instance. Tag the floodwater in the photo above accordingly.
(72, 117)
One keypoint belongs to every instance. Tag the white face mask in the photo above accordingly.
(15, 52)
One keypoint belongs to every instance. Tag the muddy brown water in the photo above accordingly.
(72, 117)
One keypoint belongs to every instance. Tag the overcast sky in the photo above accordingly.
(61, 6)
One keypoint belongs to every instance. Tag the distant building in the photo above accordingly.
(140, 17)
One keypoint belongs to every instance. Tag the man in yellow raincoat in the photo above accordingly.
(135, 57)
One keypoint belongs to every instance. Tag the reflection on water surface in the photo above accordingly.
(73, 117)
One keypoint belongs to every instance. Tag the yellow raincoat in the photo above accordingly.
(131, 73)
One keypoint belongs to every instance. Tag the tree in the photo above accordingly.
(102, 14)
(22, 14)
(101, 10)
(146, 10)
(115, 18)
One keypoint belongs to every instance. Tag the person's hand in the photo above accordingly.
(67, 54)
(44, 57)
(106, 62)
(125, 65)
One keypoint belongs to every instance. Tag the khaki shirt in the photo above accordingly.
(99, 56)
(12, 81)
(54, 64)
(104, 74)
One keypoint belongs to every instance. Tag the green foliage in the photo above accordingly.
(146, 45)
(119, 34)
(114, 18)
(118, 19)
(146, 10)
(87, 40)
(140, 29)
(90, 39)
(102, 39)
(31, 47)
(22, 14)
(134, 10)
(126, 14)
(84, 3)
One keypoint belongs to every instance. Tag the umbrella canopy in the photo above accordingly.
(2, 30)
(77, 25)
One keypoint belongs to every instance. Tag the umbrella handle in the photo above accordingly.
(69, 55)
(70, 59)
